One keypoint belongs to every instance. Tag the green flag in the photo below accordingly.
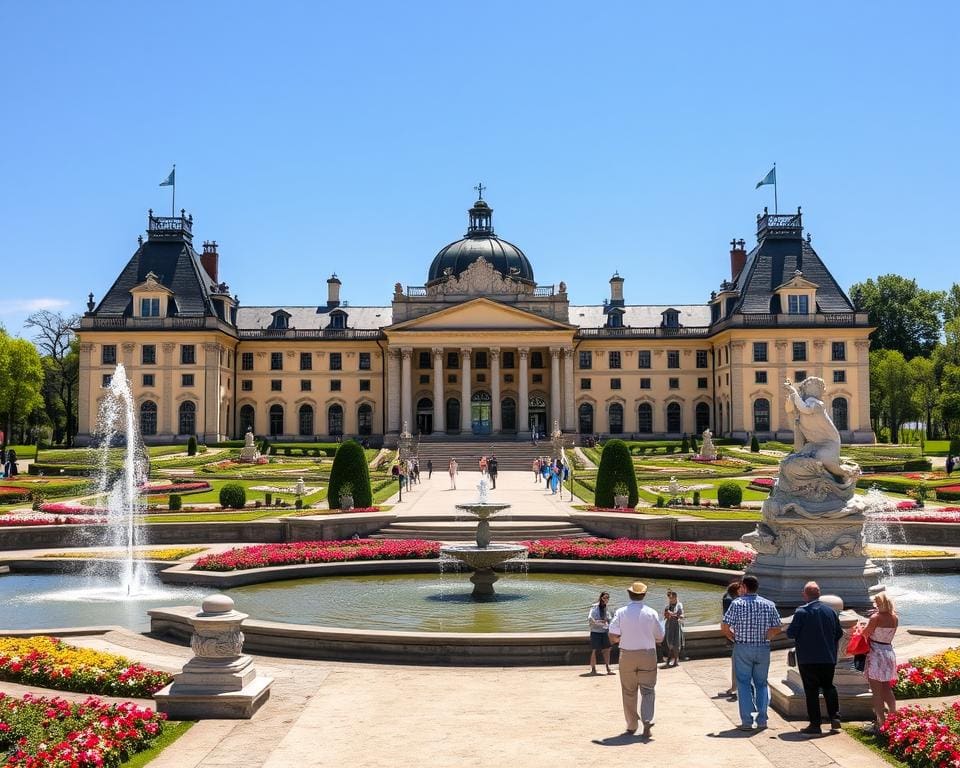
(171, 179)
(770, 178)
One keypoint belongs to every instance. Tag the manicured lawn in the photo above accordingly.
(213, 495)
(172, 731)
(25, 451)
(706, 514)
(221, 517)
(876, 744)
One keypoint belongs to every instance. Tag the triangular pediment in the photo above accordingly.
(151, 284)
(478, 315)
(798, 281)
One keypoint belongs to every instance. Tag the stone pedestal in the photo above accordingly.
(854, 579)
(220, 681)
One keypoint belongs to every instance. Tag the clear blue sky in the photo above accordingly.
(311, 138)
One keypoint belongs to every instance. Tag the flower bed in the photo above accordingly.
(51, 663)
(36, 732)
(942, 515)
(924, 737)
(10, 494)
(71, 508)
(10, 521)
(640, 551)
(303, 552)
(923, 676)
(182, 488)
(170, 554)
(948, 492)
(762, 483)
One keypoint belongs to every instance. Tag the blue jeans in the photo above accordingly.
(751, 663)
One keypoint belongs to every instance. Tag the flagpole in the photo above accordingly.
(776, 205)
(173, 200)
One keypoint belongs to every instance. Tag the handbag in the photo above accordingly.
(791, 658)
(858, 644)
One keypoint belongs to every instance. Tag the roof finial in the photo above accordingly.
(480, 189)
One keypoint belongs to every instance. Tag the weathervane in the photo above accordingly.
(480, 189)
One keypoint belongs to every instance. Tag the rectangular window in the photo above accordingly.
(838, 351)
(306, 385)
(424, 378)
(148, 379)
(701, 358)
(306, 361)
(186, 379)
(188, 354)
(276, 361)
(276, 385)
(673, 358)
(508, 360)
(423, 360)
(613, 359)
(246, 385)
(148, 354)
(643, 358)
(538, 378)
(108, 354)
(799, 376)
(364, 385)
(797, 304)
(614, 383)
(585, 383)
(149, 307)
(759, 351)
(586, 361)
(107, 378)
(536, 359)
(336, 361)
(246, 361)
(702, 382)
(674, 383)
(364, 361)
(480, 359)
(839, 377)
(644, 383)
(453, 360)
(451, 378)
(334, 385)
(481, 378)
(799, 351)
(759, 377)
(508, 378)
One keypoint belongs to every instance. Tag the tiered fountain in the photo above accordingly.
(483, 556)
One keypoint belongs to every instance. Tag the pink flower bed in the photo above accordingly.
(11, 521)
(640, 551)
(182, 488)
(923, 737)
(70, 508)
(302, 552)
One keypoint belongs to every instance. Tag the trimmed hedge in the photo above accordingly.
(350, 469)
(616, 467)
(754, 445)
(176, 502)
(192, 446)
(729, 494)
(233, 496)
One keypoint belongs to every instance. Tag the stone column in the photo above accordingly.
(465, 390)
(783, 423)
(818, 358)
(555, 394)
(569, 409)
(737, 422)
(495, 425)
(863, 389)
(393, 390)
(128, 347)
(85, 394)
(523, 420)
(439, 407)
(167, 425)
(405, 390)
(211, 393)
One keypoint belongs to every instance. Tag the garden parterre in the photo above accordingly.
(304, 552)
(924, 737)
(937, 675)
(640, 551)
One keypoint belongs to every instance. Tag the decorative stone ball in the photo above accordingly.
(834, 601)
(217, 604)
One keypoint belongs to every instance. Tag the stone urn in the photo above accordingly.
(346, 502)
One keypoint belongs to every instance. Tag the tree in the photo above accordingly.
(57, 343)
(350, 472)
(615, 474)
(891, 379)
(925, 390)
(21, 382)
(907, 317)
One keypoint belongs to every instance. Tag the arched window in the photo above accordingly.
(645, 418)
(306, 420)
(365, 419)
(335, 419)
(188, 418)
(453, 415)
(247, 418)
(674, 420)
(508, 414)
(840, 420)
(702, 413)
(276, 420)
(585, 419)
(761, 415)
(148, 418)
(615, 414)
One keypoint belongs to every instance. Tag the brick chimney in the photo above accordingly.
(333, 290)
(738, 257)
(616, 290)
(210, 259)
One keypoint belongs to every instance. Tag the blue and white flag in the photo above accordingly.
(770, 178)
(171, 179)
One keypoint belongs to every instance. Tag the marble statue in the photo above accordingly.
(708, 450)
(249, 453)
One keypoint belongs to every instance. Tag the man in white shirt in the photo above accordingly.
(638, 629)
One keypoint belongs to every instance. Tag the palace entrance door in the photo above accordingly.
(480, 413)
(424, 416)
(537, 411)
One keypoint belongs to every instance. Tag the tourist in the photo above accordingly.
(637, 629)
(815, 630)
(881, 665)
(950, 464)
(10, 467)
(751, 622)
(429, 468)
(452, 469)
(734, 590)
(536, 470)
(416, 471)
(483, 465)
(599, 622)
(492, 470)
(403, 476)
(554, 479)
(673, 629)
(545, 471)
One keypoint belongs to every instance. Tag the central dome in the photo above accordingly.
(480, 242)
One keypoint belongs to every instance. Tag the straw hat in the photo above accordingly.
(637, 589)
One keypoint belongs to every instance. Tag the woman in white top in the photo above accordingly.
(452, 469)
(881, 666)
(599, 620)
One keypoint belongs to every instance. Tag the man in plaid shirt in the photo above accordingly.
(751, 622)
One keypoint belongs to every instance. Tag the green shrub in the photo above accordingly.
(661, 501)
(298, 503)
(685, 444)
(954, 446)
(616, 467)
(268, 498)
(176, 502)
(729, 494)
(754, 445)
(192, 446)
(350, 468)
(233, 496)
(693, 444)
(696, 498)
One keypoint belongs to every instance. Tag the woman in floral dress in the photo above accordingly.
(881, 666)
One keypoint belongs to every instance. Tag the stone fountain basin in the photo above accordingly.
(480, 558)
(482, 509)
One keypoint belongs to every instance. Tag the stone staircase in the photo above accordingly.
(503, 529)
(511, 455)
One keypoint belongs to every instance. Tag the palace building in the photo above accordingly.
(481, 348)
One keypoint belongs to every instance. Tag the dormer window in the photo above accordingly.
(671, 319)
(281, 320)
(615, 318)
(150, 307)
(798, 304)
(338, 320)
(151, 297)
